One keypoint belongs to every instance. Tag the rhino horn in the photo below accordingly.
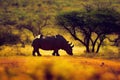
(72, 46)
(70, 43)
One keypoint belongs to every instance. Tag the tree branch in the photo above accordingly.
(94, 42)
(74, 35)
(45, 22)
(112, 40)
(101, 41)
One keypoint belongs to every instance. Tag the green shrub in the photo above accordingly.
(8, 38)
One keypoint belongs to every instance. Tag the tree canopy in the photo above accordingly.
(101, 22)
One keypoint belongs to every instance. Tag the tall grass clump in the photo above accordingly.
(15, 50)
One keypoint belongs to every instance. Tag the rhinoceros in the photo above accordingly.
(51, 43)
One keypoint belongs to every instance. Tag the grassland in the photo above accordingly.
(58, 68)
(17, 63)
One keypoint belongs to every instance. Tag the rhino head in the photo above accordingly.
(69, 48)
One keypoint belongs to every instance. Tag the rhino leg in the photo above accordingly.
(38, 53)
(33, 53)
(55, 53)
(36, 50)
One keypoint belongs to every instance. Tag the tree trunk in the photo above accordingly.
(93, 48)
(98, 48)
(94, 43)
(87, 42)
(87, 49)
(99, 45)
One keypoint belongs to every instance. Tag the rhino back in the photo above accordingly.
(50, 43)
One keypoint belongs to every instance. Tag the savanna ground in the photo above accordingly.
(23, 66)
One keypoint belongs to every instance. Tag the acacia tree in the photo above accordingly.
(101, 22)
(74, 22)
(106, 23)
(107, 8)
(34, 25)
(24, 14)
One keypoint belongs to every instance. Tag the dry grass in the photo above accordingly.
(17, 50)
(108, 52)
(58, 68)
(17, 63)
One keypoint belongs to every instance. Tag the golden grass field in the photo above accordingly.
(18, 64)
(58, 68)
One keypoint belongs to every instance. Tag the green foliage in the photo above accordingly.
(69, 19)
(106, 20)
(8, 38)
(30, 15)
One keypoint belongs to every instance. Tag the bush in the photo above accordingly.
(8, 38)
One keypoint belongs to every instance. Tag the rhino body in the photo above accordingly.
(51, 43)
